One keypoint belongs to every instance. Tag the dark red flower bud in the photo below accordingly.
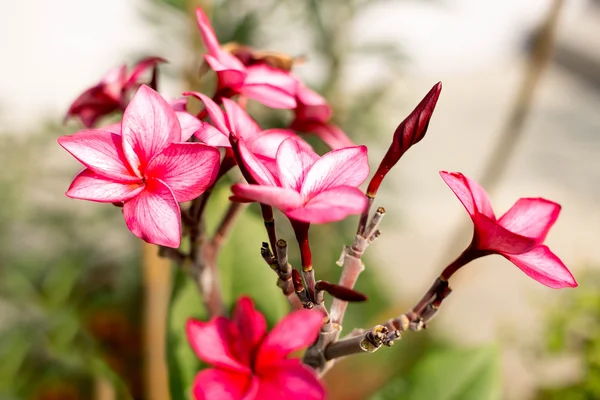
(297, 279)
(340, 292)
(408, 133)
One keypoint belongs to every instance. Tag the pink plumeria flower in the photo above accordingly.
(147, 167)
(312, 115)
(307, 187)
(111, 93)
(518, 235)
(248, 363)
(271, 86)
(263, 144)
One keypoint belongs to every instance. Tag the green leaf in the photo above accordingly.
(449, 374)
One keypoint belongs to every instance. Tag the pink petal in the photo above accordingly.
(283, 199)
(251, 323)
(331, 135)
(296, 330)
(470, 194)
(493, 237)
(179, 104)
(290, 380)
(188, 169)
(113, 128)
(311, 105)
(531, 217)
(214, 111)
(342, 167)
(149, 126)
(269, 95)
(267, 143)
(154, 216)
(93, 104)
(211, 136)
(331, 205)
(146, 64)
(101, 152)
(271, 86)
(240, 122)
(545, 267)
(212, 341)
(211, 43)
(255, 167)
(116, 75)
(229, 74)
(213, 384)
(189, 124)
(88, 185)
(294, 158)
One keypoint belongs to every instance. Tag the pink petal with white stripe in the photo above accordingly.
(188, 169)
(149, 126)
(267, 142)
(342, 167)
(211, 136)
(101, 152)
(531, 217)
(294, 159)
(189, 124)
(255, 167)
(239, 121)
(154, 216)
(88, 185)
(283, 199)
(331, 205)
(545, 267)
(214, 111)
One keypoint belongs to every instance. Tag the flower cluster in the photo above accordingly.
(160, 156)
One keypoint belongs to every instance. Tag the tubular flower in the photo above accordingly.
(313, 115)
(271, 86)
(111, 93)
(307, 187)
(518, 235)
(146, 166)
(263, 144)
(249, 363)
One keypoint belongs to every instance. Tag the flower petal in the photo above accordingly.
(250, 322)
(342, 167)
(311, 105)
(189, 124)
(331, 205)
(283, 199)
(531, 217)
(268, 95)
(101, 152)
(271, 86)
(214, 111)
(470, 194)
(149, 126)
(294, 159)
(239, 121)
(290, 380)
(295, 331)
(266, 144)
(153, 215)
(211, 136)
(214, 383)
(141, 67)
(188, 169)
(545, 267)
(211, 43)
(493, 237)
(88, 185)
(229, 77)
(255, 167)
(331, 135)
(212, 342)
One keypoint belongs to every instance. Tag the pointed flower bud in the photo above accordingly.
(408, 133)
(340, 292)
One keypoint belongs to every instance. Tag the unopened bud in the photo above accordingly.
(340, 292)
(297, 280)
(408, 133)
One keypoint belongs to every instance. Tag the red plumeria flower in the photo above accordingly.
(249, 363)
(307, 187)
(263, 144)
(271, 86)
(518, 235)
(111, 93)
(313, 115)
(146, 167)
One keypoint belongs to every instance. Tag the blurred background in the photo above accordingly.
(83, 304)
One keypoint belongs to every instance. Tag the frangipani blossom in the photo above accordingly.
(313, 115)
(307, 187)
(271, 86)
(263, 144)
(111, 93)
(518, 235)
(148, 167)
(248, 363)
